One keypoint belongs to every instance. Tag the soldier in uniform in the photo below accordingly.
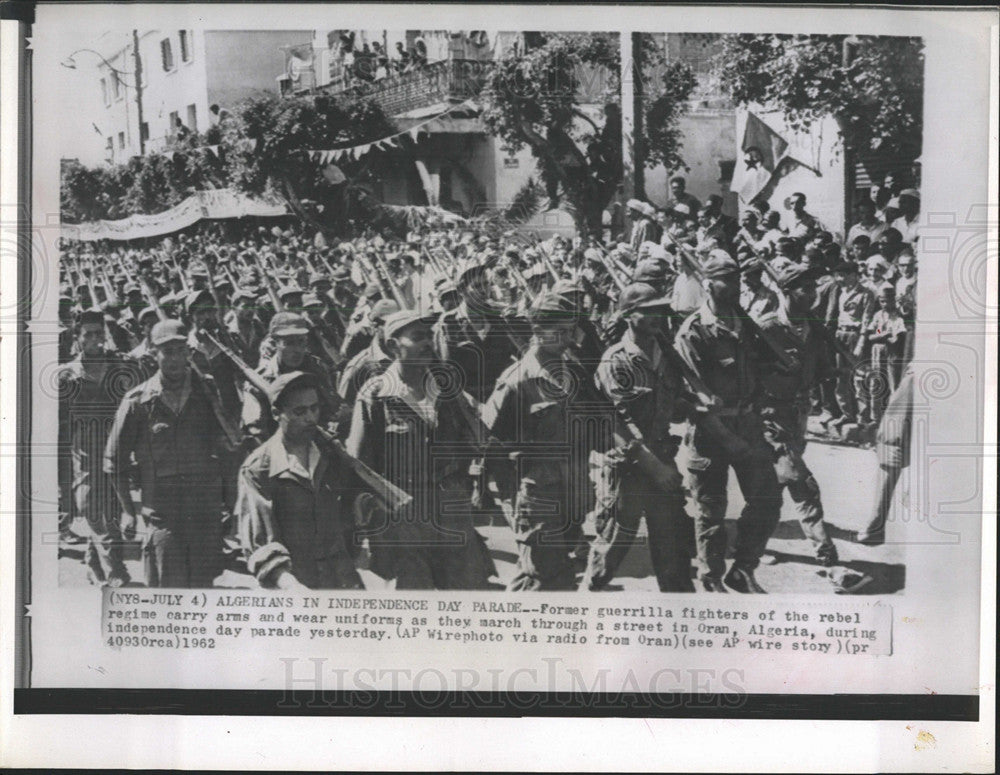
(245, 329)
(290, 333)
(756, 298)
(475, 336)
(401, 419)
(142, 353)
(297, 504)
(537, 411)
(174, 426)
(90, 388)
(635, 375)
(785, 409)
(720, 349)
(371, 361)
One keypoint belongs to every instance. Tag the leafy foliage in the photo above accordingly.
(872, 85)
(536, 98)
(663, 135)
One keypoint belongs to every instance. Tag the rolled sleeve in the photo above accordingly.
(257, 530)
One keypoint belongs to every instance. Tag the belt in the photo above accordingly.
(851, 329)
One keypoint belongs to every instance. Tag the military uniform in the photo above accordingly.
(539, 412)
(256, 420)
(479, 345)
(721, 353)
(784, 407)
(297, 520)
(179, 477)
(430, 544)
(646, 388)
(89, 393)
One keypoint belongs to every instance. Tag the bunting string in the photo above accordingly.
(391, 141)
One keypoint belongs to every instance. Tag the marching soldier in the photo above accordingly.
(174, 426)
(531, 412)
(635, 376)
(402, 416)
(297, 506)
(475, 337)
(290, 332)
(785, 409)
(719, 347)
(90, 387)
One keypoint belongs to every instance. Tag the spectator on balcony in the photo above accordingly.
(401, 61)
(419, 52)
(382, 68)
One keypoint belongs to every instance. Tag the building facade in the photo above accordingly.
(143, 103)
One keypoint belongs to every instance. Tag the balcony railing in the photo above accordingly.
(449, 80)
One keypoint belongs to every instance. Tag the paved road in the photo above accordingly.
(846, 476)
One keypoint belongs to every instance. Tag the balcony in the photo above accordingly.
(445, 81)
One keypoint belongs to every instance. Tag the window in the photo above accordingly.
(104, 91)
(185, 40)
(121, 141)
(172, 126)
(192, 122)
(144, 131)
(167, 55)
(110, 148)
(116, 85)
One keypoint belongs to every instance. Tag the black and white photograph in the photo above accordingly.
(584, 353)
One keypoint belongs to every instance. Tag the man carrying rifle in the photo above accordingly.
(297, 505)
(636, 376)
(476, 337)
(410, 426)
(785, 409)
(539, 411)
(290, 333)
(719, 346)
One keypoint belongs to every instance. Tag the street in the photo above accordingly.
(846, 478)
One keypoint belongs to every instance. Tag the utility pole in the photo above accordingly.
(138, 89)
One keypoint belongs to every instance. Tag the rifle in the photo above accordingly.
(783, 357)
(231, 433)
(268, 281)
(829, 338)
(545, 258)
(391, 496)
(397, 294)
(704, 399)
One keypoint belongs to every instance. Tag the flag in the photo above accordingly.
(768, 143)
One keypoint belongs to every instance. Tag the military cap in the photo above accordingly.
(285, 383)
(372, 290)
(131, 288)
(910, 192)
(641, 296)
(549, 306)
(312, 301)
(168, 331)
(198, 270)
(288, 324)
(565, 286)
(382, 309)
(719, 264)
(791, 275)
(649, 270)
(446, 287)
(91, 315)
(244, 293)
(315, 278)
(148, 312)
(400, 319)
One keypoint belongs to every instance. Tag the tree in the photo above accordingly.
(873, 86)
(667, 103)
(537, 98)
(266, 144)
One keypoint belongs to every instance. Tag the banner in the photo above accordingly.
(214, 204)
